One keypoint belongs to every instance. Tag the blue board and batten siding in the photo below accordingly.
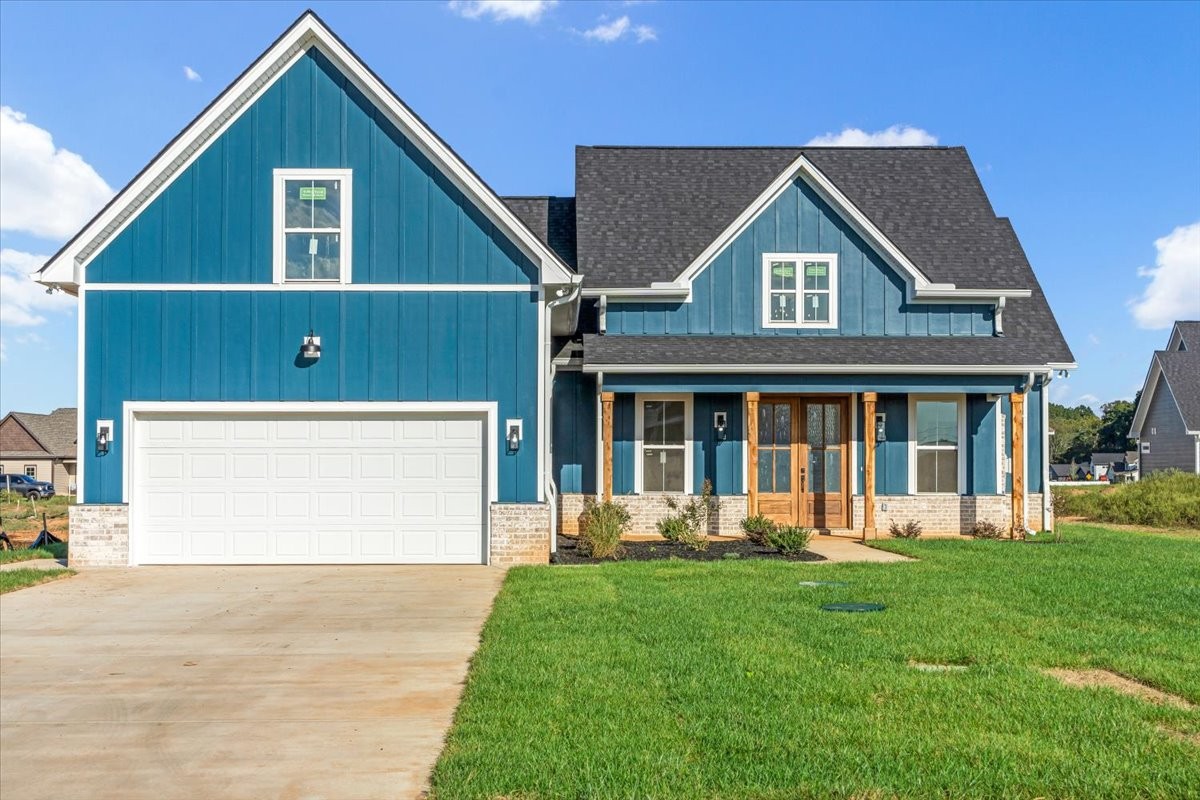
(727, 295)
(213, 225)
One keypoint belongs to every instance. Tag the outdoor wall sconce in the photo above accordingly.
(311, 347)
(513, 438)
(721, 424)
(881, 427)
(104, 435)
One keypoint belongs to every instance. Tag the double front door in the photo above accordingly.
(803, 461)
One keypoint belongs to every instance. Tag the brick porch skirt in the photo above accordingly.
(938, 515)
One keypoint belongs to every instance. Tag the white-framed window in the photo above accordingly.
(663, 424)
(800, 290)
(31, 471)
(312, 225)
(937, 436)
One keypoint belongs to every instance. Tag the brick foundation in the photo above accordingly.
(937, 515)
(948, 516)
(520, 534)
(99, 536)
(646, 510)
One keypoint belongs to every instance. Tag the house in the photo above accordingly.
(1167, 420)
(311, 333)
(41, 446)
(1062, 472)
(1105, 464)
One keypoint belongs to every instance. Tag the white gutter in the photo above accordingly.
(1048, 521)
(547, 437)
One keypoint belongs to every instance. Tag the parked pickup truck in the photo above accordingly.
(26, 486)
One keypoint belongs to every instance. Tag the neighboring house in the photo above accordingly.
(1105, 464)
(41, 446)
(311, 333)
(1062, 472)
(1167, 420)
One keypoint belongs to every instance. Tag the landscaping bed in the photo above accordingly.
(569, 553)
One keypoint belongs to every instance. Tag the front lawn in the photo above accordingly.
(57, 550)
(13, 579)
(724, 679)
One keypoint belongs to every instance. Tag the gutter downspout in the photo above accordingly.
(1025, 428)
(548, 438)
(1048, 521)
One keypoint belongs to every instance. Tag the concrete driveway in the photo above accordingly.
(302, 683)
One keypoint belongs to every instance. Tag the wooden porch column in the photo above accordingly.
(606, 417)
(1018, 465)
(752, 453)
(869, 530)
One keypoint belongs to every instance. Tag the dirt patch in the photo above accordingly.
(568, 552)
(924, 667)
(1179, 736)
(1087, 678)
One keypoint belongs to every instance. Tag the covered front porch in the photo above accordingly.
(842, 454)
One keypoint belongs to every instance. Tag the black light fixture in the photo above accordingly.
(881, 426)
(104, 435)
(720, 424)
(512, 438)
(311, 348)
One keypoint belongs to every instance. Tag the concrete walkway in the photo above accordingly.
(235, 682)
(840, 548)
(35, 563)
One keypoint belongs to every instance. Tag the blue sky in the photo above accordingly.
(1083, 120)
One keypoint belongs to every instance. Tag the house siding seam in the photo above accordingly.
(727, 295)
(1170, 445)
(375, 346)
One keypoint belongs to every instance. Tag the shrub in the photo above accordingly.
(601, 527)
(910, 529)
(757, 529)
(1162, 500)
(789, 539)
(987, 530)
(689, 524)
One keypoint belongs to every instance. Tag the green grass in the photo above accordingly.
(58, 551)
(13, 579)
(1162, 500)
(723, 679)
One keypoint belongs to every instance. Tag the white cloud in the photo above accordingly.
(1089, 400)
(24, 303)
(191, 74)
(608, 32)
(1093, 338)
(895, 136)
(1174, 290)
(530, 11)
(44, 190)
(619, 28)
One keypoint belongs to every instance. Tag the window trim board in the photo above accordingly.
(960, 400)
(639, 400)
(278, 238)
(765, 293)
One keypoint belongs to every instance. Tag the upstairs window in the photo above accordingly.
(312, 225)
(799, 290)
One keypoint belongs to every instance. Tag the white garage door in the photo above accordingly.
(308, 488)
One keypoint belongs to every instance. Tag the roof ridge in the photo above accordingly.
(764, 147)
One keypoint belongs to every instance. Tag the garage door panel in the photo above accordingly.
(309, 488)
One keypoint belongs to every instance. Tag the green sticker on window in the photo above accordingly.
(783, 270)
(312, 192)
(815, 270)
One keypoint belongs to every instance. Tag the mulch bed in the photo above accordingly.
(568, 552)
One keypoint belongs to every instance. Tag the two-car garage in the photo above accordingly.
(284, 486)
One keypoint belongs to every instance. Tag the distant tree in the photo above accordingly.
(1115, 420)
(1075, 433)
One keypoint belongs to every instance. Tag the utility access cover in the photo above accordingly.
(853, 607)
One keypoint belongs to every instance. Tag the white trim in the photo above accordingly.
(489, 410)
(543, 345)
(81, 441)
(1001, 445)
(798, 259)
(600, 436)
(854, 449)
(960, 447)
(673, 294)
(66, 267)
(344, 230)
(1047, 500)
(638, 432)
(301, 286)
(828, 369)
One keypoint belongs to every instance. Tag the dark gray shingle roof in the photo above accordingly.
(552, 219)
(752, 351)
(55, 431)
(1182, 371)
(1189, 331)
(644, 213)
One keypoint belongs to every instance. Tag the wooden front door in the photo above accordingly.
(803, 461)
